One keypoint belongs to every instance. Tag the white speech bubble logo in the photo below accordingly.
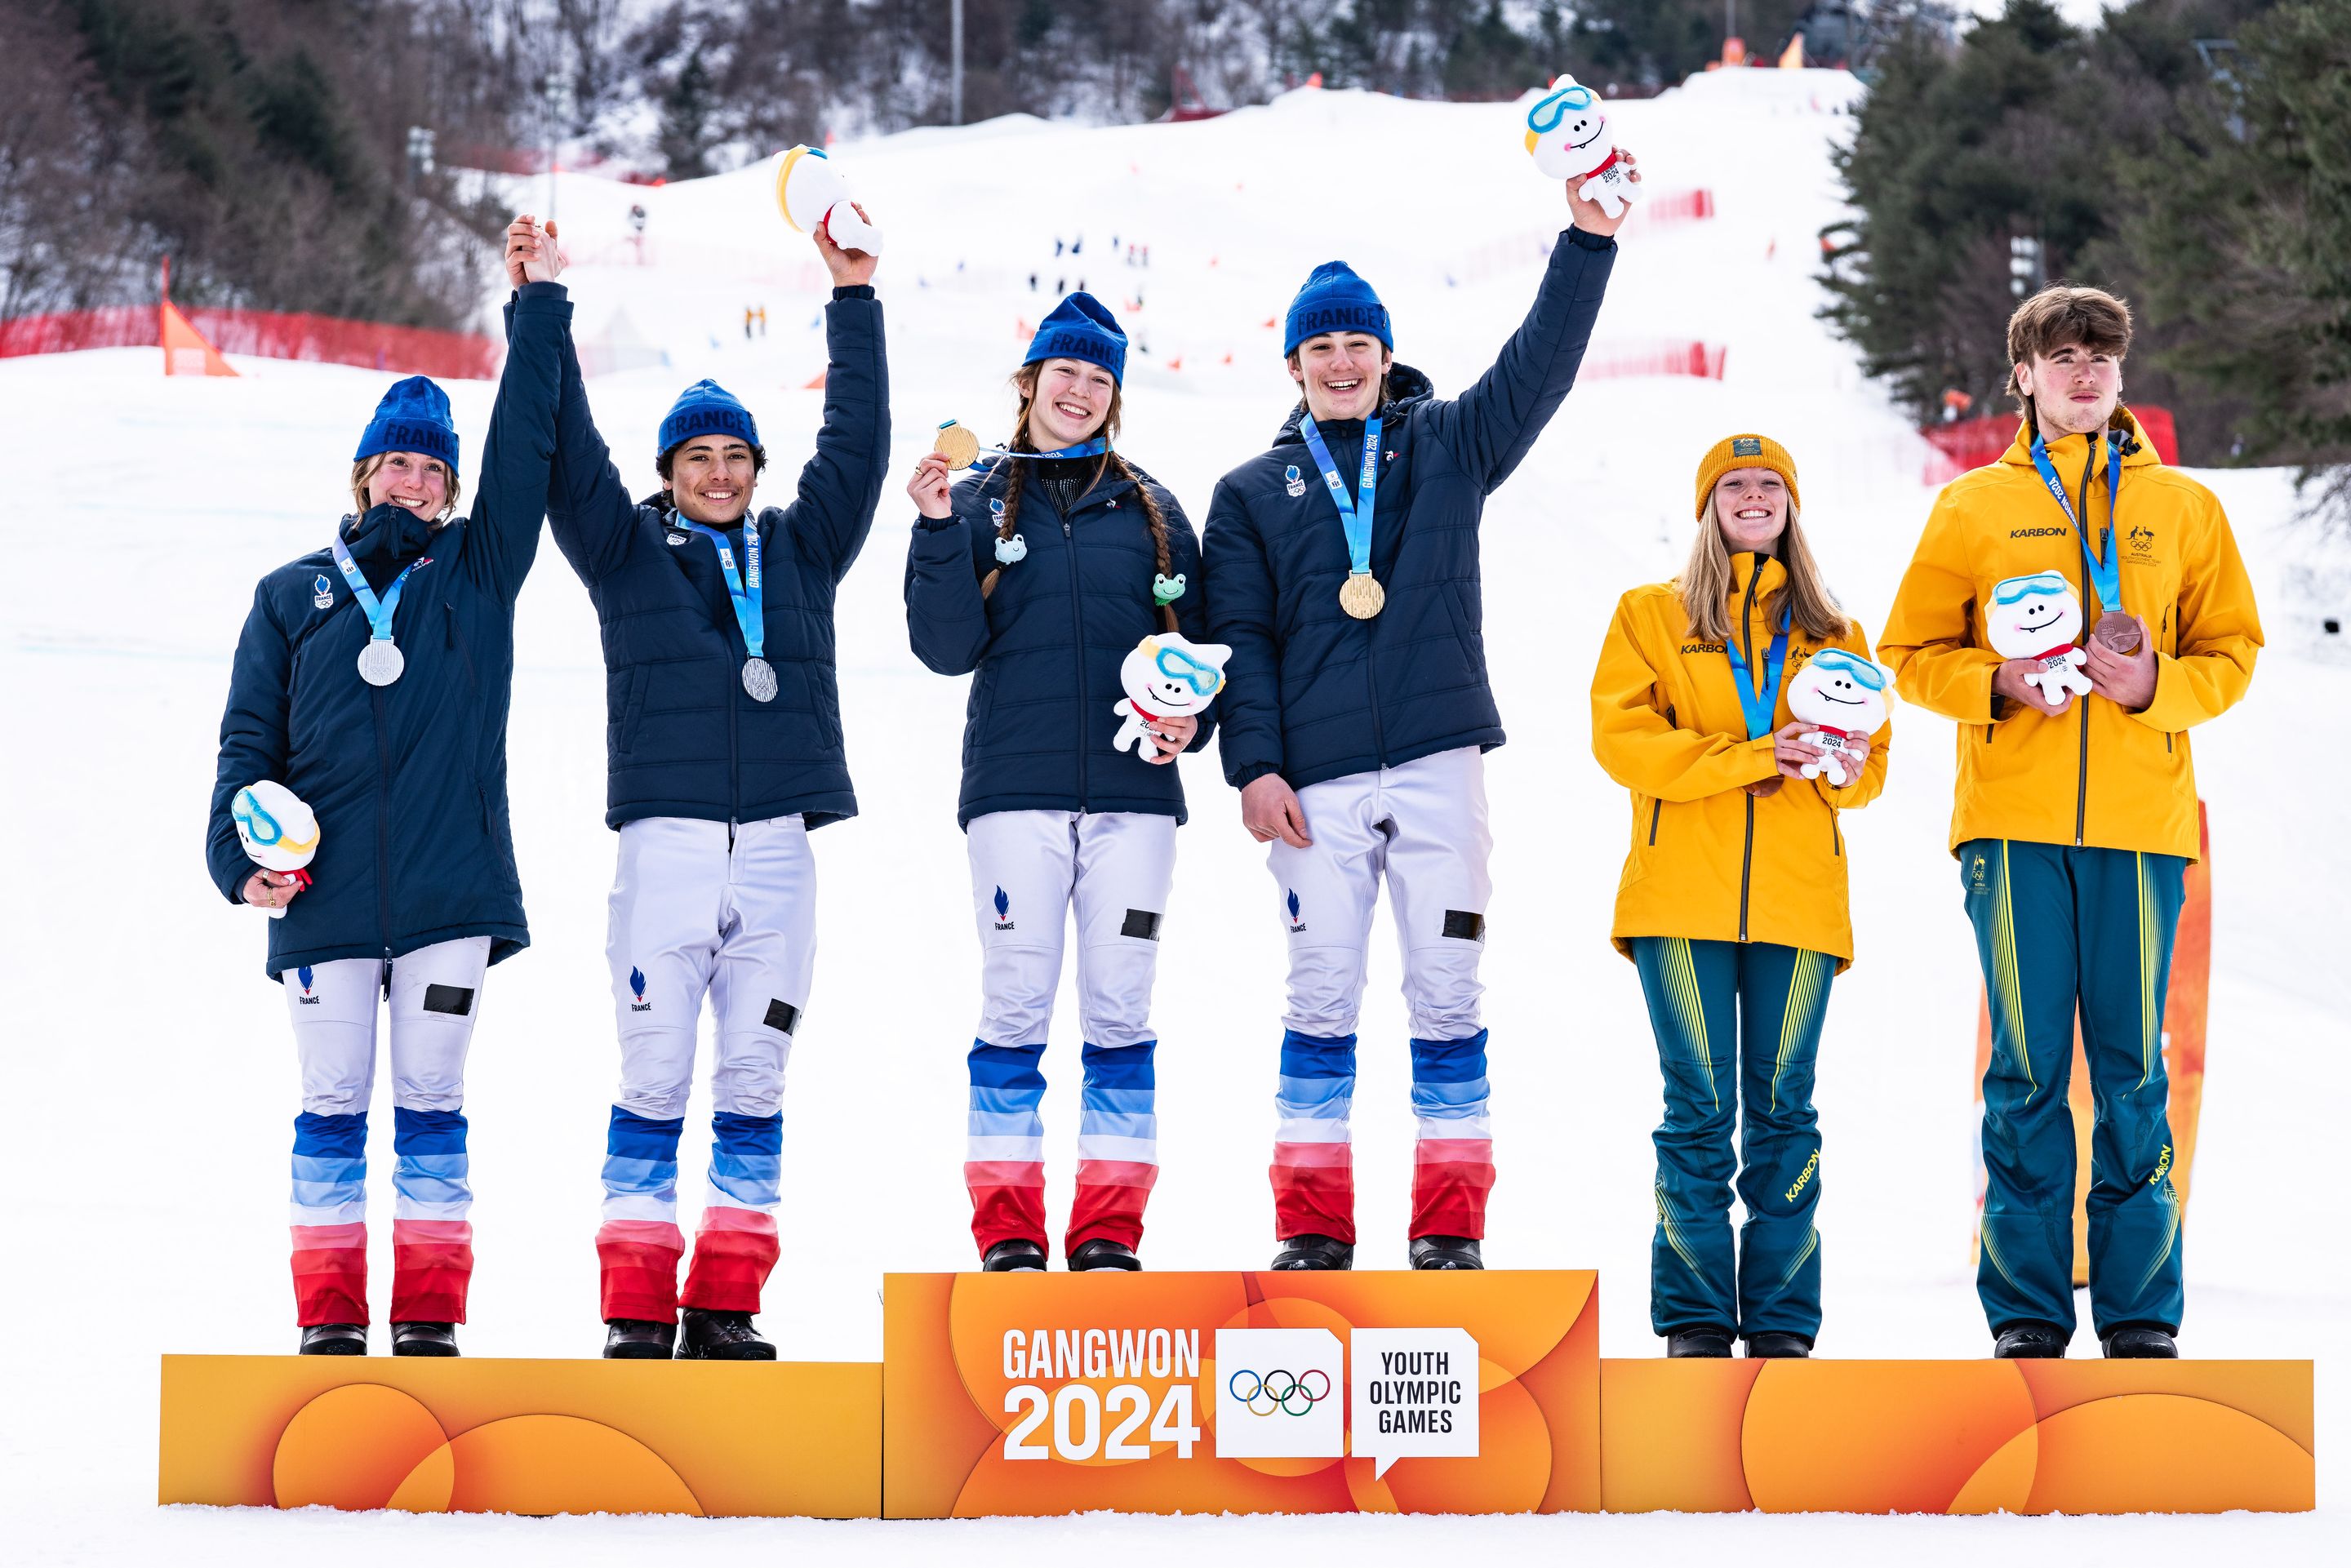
(1281, 1393)
(1416, 1394)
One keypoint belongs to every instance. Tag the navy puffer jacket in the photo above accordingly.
(1315, 694)
(408, 780)
(682, 737)
(1048, 642)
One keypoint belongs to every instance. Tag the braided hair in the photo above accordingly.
(1024, 383)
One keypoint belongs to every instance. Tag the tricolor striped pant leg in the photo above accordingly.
(639, 1244)
(1453, 1158)
(1004, 1162)
(735, 1247)
(329, 1218)
(432, 1237)
(1118, 1144)
(1313, 1161)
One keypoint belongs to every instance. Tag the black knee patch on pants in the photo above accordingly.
(1463, 925)
(454, 1001)
(1142, 923)
(783, 1017)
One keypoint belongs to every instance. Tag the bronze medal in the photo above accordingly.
(1361, 596)
(2119, 633)
(1764, 789)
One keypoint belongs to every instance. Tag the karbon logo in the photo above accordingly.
(1286, 1392)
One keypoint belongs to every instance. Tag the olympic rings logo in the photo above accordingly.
(1287, 1392)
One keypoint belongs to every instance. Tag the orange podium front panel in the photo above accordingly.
(1246, 1393)
(482, 1436)
(1958, 1437)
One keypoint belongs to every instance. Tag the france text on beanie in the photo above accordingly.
(1335, 300)
(1081, 328)
(412, 417)
(706, 408)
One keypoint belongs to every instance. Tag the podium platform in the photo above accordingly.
(1247, 1391)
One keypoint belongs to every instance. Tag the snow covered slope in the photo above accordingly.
(148, 1060)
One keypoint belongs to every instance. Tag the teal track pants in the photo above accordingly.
(2057, 927)
(1739, 1029)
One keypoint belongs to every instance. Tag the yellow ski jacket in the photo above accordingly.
(1709, 860)
(2096, 775)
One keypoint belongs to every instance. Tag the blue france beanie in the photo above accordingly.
(1081, 328)
(412, 417)
(1335, 300)
(706, 408)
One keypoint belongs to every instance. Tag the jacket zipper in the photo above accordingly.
(1747, 854)
(1078, 627)
(1836, 843)
(1657, 806)
(382, 830)
(2080, 708)
(734, 717)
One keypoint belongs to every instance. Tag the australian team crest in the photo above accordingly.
(1297, 485)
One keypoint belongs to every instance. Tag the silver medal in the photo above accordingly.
(759, 680)
(380, 662)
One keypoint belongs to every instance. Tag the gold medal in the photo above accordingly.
(1361, 596)
(959, 446)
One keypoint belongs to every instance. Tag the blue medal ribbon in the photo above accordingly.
(1355, 515)
(742, 588)
(379, 612)
(1762, 706)
(1093, 448)
(2102, 570)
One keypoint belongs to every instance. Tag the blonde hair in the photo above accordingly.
(1024, 383)
(1704, 585)
(365, 469)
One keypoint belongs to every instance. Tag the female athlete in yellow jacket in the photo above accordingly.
(1733, 898)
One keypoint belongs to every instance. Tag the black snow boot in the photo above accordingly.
(1770, 1346)
(1314, 1252)
(706, 1336)
(1446, 1253)
(1697, 1345)
(2030, 1342)
(425, 1339)
(1102, 1252)
(334, 1339)
(639, 1339)
(2140, 1342)
(1013, 1257)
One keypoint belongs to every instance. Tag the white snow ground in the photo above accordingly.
(153, 1075)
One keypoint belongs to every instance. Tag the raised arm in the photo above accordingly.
(1640, 748)
(253, 740)
(517, 457)
(842, 483)
(1240, 604)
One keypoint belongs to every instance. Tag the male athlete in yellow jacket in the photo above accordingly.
(2076, 819)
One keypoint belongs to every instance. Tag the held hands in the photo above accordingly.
(533, 253)
(930, 485)
(1591, 216)
(849, 267)
(1792, 753)
(1270, 811)
(1170, 736)
(2127, 680)
(270, 889)
(2009, 681)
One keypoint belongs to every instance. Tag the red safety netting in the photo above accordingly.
(269, 334)
(1618, 361)
(1970, 444)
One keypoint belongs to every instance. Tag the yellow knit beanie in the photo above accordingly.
(1744, 452)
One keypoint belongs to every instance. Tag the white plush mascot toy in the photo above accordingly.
(812, 195)
(1167, 676)
(278, 832)
(1842, 697)
(1570, 138)
(2037, 617)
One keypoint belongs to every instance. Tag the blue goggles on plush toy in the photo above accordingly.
(1544, 117)
(1178, 665)
(1839, 661)
(2037, 584)
(256, 824)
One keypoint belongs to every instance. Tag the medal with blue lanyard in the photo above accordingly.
(2116, 629)
(1760, 706)
(742, 589)
(381, 661)
(1361, 595)
(961, 448)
